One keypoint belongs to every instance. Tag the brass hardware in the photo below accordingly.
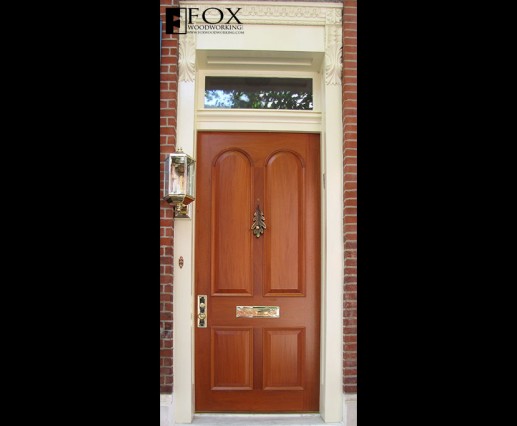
(182, 211)
(259, 222)
(257, 311)
(179, 182)
(201, 311)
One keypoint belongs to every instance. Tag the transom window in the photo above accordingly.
(258, 93)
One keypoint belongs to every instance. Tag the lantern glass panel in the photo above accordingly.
(178, 176)
(190, 179)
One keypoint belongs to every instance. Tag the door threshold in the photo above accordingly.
(240, 419)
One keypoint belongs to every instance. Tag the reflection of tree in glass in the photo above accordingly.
(264, 99)
(217, 99)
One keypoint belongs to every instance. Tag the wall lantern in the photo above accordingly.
(179, 182)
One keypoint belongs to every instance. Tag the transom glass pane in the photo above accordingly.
(258, 93)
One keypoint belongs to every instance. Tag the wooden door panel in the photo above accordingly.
(258, 364)
(284, 358)
(231, 243)
(285, 242)
(232, 358)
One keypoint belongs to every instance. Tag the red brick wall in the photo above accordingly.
(350, 194)
(168, 95)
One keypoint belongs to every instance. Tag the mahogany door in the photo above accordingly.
(259, 364)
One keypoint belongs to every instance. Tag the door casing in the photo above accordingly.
(328, 123)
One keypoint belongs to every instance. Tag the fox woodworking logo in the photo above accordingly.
(180, 20)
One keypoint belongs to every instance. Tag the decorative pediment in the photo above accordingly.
(327, 15)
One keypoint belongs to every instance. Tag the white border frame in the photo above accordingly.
(329, 124)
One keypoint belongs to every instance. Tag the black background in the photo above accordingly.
(435, 253)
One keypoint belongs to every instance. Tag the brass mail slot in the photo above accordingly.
(258, 311)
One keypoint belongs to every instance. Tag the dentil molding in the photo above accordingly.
(276, 13)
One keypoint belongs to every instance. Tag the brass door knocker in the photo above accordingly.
(259, 222)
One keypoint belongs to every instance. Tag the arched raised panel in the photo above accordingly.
(285, 217)
(231, 254)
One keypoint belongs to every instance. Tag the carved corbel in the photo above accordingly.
(187, 57)
(333, 46)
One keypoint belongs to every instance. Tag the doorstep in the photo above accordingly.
(260, 419)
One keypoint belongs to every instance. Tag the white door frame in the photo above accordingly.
(310, 35)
